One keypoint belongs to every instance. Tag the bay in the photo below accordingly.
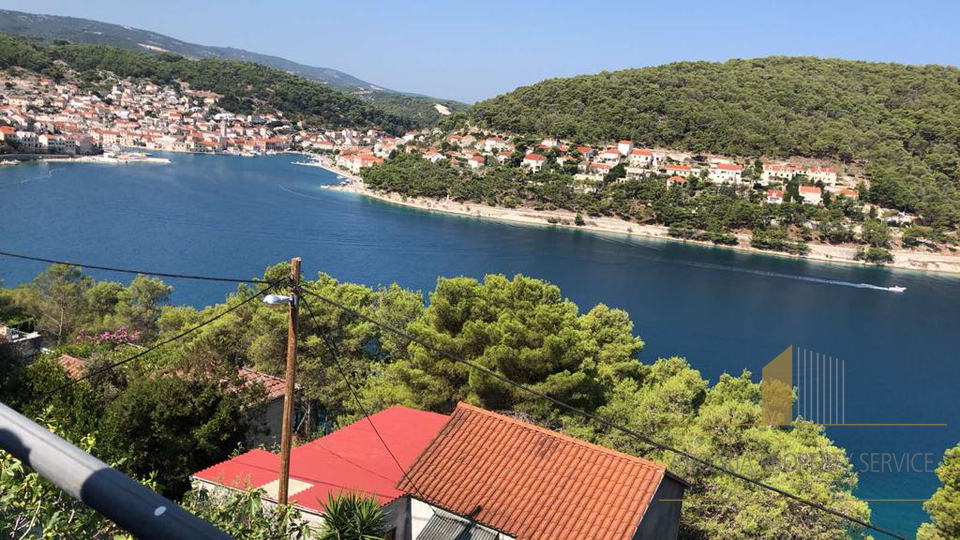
(725, 311)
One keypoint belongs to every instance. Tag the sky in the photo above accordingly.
(471, 51)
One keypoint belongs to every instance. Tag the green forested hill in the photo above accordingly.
(905, 120)
(52, 28)
(246, 86)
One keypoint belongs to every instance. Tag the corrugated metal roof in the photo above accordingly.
(446, 526)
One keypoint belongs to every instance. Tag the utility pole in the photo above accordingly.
(286, 433)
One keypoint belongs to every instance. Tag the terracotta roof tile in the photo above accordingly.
(530, 482)
(74, 366)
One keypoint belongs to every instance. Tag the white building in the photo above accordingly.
(811, 194)
(725, 173)
(775, 196)
(827, 175)
(625, 147)
(610, 155)
(534, 162)
(685, 171)
(640, 158)
(781, 173)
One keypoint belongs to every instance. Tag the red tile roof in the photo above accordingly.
(728, 167)
(530, 482)
(534, 157)
(810, 189)
(678, 179)
(275, 385)
(72, 365)
(351, 458)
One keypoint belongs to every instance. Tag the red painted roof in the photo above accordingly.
(679, 179)
(351, 458)
(678, 167)
(642, 152)
(625, 141)
(810, 189)
(534, 157)
(531, 482)
(778, 193)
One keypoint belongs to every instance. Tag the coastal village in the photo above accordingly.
(43, 118)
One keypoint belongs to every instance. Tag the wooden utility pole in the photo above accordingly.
(286, 433)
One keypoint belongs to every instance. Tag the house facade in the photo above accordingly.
(472, 475)
(725, 173)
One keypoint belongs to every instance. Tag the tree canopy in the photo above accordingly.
(905, 120)
(180, 409)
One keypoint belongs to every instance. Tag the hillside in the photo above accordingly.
(905, 120)
(75, 30)
(246, 87)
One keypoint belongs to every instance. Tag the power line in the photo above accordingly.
(156, 346)
(334, 351)
(129, 271)
(603, 421)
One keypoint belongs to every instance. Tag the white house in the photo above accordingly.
(680, 170)
(610, 155)
(494, 144)
(625, 147)
(434, 156)
(58, 144)
(534, 162)
(811, 194)
(475, 162)
(29, 142)
(773, 173)
(775, 196)
(725, 173)
(827, 175)
(640, 158)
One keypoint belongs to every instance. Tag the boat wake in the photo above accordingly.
(766, 273)
(48, 174)
(299, 194)
(809, 279)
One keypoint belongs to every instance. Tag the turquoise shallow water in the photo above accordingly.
(723, 310)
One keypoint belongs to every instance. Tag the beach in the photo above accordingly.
(842, 254)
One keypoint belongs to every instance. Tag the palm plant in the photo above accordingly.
(352, 516)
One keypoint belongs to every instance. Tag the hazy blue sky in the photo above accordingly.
(475, 50)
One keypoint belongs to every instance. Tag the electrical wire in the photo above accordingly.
(129, 271)
(334, 352)
(167, 341)
(603, 421)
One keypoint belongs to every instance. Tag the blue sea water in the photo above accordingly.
(725, 311)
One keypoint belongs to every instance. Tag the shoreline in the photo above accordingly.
(903, 260)
(100, 158)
